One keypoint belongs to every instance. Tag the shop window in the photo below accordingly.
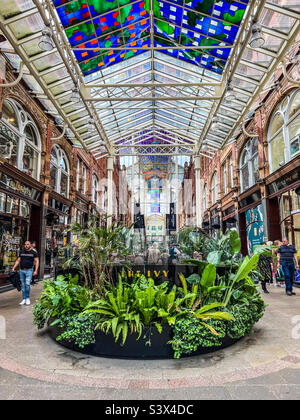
(249, 170)
(84, 179)
(284, 131)
(77, 174)
(59, 171)
(95, 189)
(20, 140)
(2, 202)
(214, 188)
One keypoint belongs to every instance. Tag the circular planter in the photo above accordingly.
(105, 345)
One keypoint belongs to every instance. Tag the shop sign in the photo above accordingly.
(254, 227)
(284, 181)
(16, 186)
(11, 247)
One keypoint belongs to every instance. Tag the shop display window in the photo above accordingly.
(12, 205)
(214, 188)
(2, 202)
(290, 217)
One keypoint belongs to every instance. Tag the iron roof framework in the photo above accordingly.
(155, 99)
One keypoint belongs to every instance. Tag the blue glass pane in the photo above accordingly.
(177, 25)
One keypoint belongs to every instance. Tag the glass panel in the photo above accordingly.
(11, 8)
(294, 128)
(277, 123)
(107, 25)
(24, 209)
(295, 147)
(245, 178)
(9, 149)
(295, 105)
(277, 151)
(30, 134)
(12, 205)
(2, 202)
(53, 176)
(30, 161)
(64, 185)
(8, 114)
(255, 169)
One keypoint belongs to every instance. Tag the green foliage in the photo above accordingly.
(79, 329)
(191, 241)
(116, 312)
(190, 334)
(95, 246)
(60, 297)
(244, 319)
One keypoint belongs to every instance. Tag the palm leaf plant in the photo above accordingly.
(94, 248)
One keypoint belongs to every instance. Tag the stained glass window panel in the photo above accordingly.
(105, 25)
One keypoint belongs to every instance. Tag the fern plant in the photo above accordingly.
(116, 313)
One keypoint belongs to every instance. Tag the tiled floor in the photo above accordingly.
(263, 366)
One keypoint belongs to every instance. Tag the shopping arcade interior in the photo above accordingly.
(121, 92)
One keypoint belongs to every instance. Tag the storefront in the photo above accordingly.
(229, 219)
(251, 220)
(20, 210)
(284, 199)
(57, 235)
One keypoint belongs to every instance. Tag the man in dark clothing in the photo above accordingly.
(28, 258)
(287, 259)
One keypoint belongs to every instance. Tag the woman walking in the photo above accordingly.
(265, 266)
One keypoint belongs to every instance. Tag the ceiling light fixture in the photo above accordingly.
(257, 38)
(46, 43)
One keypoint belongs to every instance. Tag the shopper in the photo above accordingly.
(265, 268)
(33, 246)
(278, 275)
(28, 258)
(287, 259)
(165, 257)
(153, 254)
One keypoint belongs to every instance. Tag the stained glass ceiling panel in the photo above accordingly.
(105, 32)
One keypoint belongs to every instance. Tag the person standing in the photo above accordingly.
(28, 259)
(265, 268)
(287, 259)
(153, 254)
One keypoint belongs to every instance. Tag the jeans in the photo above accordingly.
(289, 271)
(26, 277)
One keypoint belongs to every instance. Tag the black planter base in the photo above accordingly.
(105, 345)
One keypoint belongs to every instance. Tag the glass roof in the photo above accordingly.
(151, 74)
(105, 32)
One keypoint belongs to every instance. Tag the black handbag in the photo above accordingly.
(14, 278)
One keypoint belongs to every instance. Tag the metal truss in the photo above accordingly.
(156, 150)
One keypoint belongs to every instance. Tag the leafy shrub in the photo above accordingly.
(60, 297)
(245, 316)
(190, 334)
(79, 329)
